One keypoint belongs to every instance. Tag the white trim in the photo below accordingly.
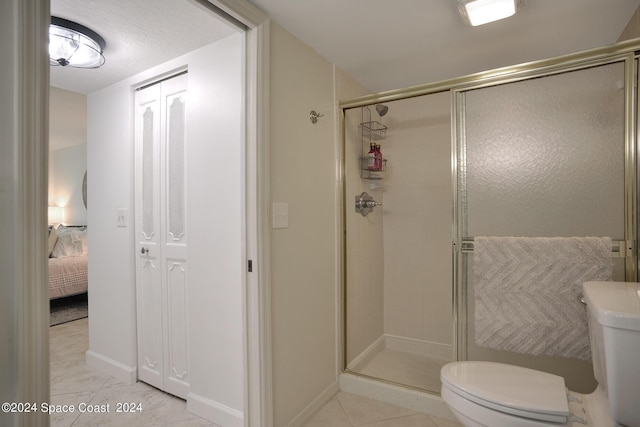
(241, 10)
(430, 404)
(257, 292)
(315, 405)
(120, 371)
(257, 306)
(263, 226)
(257, 388)
(214, 411)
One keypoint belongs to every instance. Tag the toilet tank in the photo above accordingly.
(614, 329)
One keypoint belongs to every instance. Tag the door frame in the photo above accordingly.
(24, 160)
(26, 23)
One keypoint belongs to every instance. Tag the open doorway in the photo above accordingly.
(110, 214)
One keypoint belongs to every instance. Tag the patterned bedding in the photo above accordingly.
(67, 261)
(67, 276)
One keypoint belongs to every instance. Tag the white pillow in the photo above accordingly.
(73, 243)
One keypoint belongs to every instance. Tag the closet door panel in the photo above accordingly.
(147, 231)
(174, 101)
(177, 366)
(150, 339)
(161, 230)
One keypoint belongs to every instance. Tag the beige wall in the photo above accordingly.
(303, 262)
(305, 257)
(632, 30)
(67, 118)
(418, 222)
(68, 152)
(398, 257)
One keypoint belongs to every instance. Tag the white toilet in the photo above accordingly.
(498, 395)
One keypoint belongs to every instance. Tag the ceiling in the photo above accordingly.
(139, 34)
(394, 44)
(383, 44)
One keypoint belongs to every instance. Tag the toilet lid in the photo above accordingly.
(510, 389)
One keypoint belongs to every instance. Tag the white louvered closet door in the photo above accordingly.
(161, 235)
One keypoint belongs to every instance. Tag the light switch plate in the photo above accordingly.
(121, 217)
(280, 215)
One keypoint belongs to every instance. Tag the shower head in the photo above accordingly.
(381, 109)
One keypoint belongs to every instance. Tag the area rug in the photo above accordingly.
(64, 310)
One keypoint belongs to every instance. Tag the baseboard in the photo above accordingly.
(313, 407)
(364, 357)
(213, 411)
(415, 400)
(416, 346)
(126, 374)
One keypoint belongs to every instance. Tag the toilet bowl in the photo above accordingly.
(487, 394)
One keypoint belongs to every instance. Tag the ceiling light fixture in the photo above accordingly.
(74, 45)
(479, 12)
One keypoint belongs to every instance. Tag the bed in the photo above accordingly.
(67, 261)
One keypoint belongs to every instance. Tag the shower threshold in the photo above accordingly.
(403, 368)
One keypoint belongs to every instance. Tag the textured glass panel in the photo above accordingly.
(176, 168)
(147, 173)
(545, 157)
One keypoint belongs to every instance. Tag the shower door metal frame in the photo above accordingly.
(627, 248)
(628, 51)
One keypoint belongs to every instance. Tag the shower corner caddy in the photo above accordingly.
(371, 131)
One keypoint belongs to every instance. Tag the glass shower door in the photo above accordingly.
(398, 263)
(543, 157)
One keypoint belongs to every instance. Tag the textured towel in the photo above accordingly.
(527, 290)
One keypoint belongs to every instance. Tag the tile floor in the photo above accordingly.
(75, 383)
(350, 410)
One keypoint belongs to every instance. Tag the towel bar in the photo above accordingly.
(619, 248)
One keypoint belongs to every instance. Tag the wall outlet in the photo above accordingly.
(121, 217)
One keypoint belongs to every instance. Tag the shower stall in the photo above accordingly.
(398, 256)
(544, 150)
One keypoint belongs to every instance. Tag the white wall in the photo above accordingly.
(67, 167)
(215, 190)
(216, 265)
